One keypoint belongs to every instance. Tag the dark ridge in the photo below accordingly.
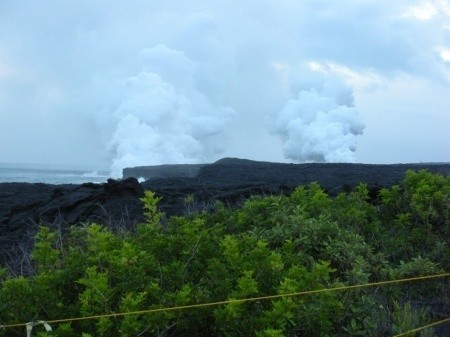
(163, 171)
(238, 161)
(232, 179)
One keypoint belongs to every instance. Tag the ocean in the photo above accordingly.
(49, 175)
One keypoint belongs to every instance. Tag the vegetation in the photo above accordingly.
(271, 245)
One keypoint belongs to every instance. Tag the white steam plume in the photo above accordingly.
(163, 118)
(320, 125)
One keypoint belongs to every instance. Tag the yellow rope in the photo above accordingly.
(235, 301)
(423, 328)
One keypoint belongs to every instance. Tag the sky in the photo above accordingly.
(114, 84)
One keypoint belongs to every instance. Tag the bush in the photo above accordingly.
(272, 245)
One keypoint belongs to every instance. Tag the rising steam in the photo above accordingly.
(320, 125)
(163, 118)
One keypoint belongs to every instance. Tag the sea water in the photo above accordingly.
(50, 175)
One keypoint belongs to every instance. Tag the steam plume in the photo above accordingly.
(163, 118)
(320, 125)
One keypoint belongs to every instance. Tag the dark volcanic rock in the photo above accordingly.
(163, 171)
(23, 207)
(232, 180)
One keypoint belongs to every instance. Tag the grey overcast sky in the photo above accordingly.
(123, 83)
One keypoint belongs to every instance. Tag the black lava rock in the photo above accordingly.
(23, 206)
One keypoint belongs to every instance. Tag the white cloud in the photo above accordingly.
(425, 11)
(366, 78)
(444, 53)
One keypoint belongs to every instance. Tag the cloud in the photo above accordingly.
(444, 53)
(425, 11)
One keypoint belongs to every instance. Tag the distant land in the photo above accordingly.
(332, 176)
(232, 179)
